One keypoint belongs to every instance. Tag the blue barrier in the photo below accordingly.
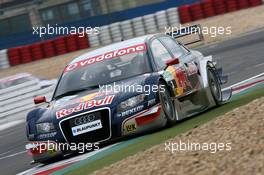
(24, 38)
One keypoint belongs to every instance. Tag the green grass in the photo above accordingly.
(159, 137)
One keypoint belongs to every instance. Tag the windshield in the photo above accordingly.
(103, 72)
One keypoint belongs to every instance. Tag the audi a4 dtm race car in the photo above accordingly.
(84, 109)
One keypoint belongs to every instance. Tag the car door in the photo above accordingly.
(187, 60)
(175, 75)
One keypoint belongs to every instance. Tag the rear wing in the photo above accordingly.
(186, 31)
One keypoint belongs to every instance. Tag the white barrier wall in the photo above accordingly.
(4, 62)
(20, 97)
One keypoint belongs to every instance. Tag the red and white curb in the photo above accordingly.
(47, 169)
(246, 84)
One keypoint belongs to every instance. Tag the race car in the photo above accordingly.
(126, 88)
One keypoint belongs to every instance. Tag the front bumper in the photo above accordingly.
(146, 120)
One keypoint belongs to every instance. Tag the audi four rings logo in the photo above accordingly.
(84, 119)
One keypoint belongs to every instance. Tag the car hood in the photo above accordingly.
(92, 99)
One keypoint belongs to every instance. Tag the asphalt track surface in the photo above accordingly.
(241, 58)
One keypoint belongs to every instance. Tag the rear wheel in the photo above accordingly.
(167, 104)
(214, 85)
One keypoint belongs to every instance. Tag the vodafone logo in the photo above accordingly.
(106, 56)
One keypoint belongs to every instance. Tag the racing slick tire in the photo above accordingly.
(214, 85)
(167, 104)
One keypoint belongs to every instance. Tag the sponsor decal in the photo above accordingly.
(48, 135)
(91, 96)
(181, 79)
(87, 127)
(131, 127)
(105, 56)
(191, 69)
(151, 102)
(131, 111)
(84, 105)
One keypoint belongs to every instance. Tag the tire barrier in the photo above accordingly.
(36, 51)
(104, 35)
(48, 48)
(4, 62)
(150, 23)
(162, 19)
(117, 31)
(185, 14)
(173, 17)
(253, 3)
(14, 56)
(196, 11)
(60, 46)
(242, 4)
(71, 43)
(220, 7)
(138, 26)
(26, 55)
(127, 29)
(231, 5)
(94, 40)
(82, 41)
(208, 8)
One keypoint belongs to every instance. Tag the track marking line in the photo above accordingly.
(244, 81)
(10, 124)
(4, 153)
(12, 155)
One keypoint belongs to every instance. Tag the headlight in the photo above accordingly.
(131, 102)
(45, 127)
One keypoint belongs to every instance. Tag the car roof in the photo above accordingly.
(112, 47)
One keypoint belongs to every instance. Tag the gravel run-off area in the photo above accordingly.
(239, 136)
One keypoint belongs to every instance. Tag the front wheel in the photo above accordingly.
(214, 85)
(167, 104)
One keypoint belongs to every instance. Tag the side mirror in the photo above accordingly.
(40, 99)
(172, 62)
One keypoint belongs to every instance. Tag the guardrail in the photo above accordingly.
(20, 97)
